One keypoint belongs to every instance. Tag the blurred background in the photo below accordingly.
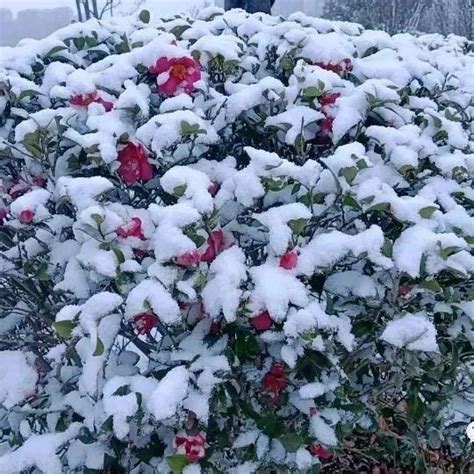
(38, 18)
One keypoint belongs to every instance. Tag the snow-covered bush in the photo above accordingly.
(235, 243)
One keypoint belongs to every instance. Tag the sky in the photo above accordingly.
(16, 5)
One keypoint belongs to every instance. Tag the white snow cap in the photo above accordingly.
(414, 331)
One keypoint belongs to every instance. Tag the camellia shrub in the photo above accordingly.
(236, 244)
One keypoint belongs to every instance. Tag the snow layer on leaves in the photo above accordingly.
(18, 378)
(326, 249)
(301, 210)
(150, 293)
(169, 394)
(275, 289)
(414, 331)
(222, 292)
(39, 451)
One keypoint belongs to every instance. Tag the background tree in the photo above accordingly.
(437, 16)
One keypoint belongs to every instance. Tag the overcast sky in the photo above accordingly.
(167, 6)
(16, 5)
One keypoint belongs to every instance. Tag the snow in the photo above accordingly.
(295, 122)
(169, 394)
(18, 378)
(377, 212)
(39, 451)
(323, 432)
(277, 218)
(222, 292)
(275, 289)
(414, 332)
(326, 249)
(157, 297)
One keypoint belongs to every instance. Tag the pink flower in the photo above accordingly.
(262, 322)
(86, 99)
(328, 98)
(189, 259)
(145, 322)
(134, 164)
(132, 229)
(192, 446)
(26, 216)
(215, 245)
(181, 73)
(320, 452)
(289, 260)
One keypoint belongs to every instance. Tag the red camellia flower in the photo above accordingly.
(39, 181)
(338, 68)
(328, 98)
(87, 99)
(262, 322)
(182, 73)
(17, 188)
(134, 164)
(215, 245)
(192, 446)
(132, 229)
(3, 214)
(289, 260)
(189, 259)
(26, 216)
(320, 452)
(325, 131)
(275, 381)
(214, 188)
(145, 322)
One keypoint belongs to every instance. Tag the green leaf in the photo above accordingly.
(427, 212)
(179, 190)
(64, 328)
(27, 93)
(432, 285)
(119, 255)
(312, 92)
(297, 226)
(188, 130)
(200, 281)
(144, 16)
(446, 252)
(350, 201)
(292, 442)
(98, 219)
(55, 50)
(349, 173)
(79, 43)
(31, 142)
(415, 407)
(387, 248)
(177, 462)
(272, 184)
(179, 30)
(370, 51)
(380, 207)
(99, 348)
(246, 346)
